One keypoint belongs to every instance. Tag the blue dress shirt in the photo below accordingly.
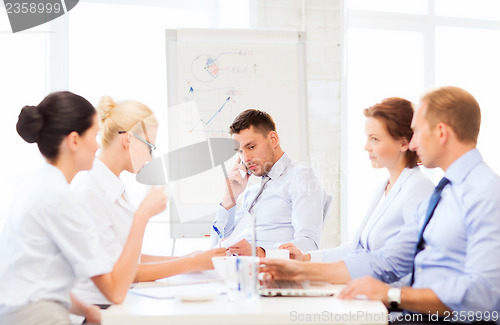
(460, 261)
(290, 208)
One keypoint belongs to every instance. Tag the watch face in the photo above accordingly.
(394, 295)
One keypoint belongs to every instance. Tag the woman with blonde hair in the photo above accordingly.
(49, 239)
(128, 132)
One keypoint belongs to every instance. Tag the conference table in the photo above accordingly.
(170, 301)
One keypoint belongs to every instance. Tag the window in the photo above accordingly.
(481, 9)
(381, 63)
(399, 6)
(402, 48)
(108, 47)
(23, 81)
(467, 58)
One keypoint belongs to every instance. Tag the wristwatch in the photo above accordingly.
(394, 295)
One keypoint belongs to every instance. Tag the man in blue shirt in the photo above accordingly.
(288, 203)
(451, 247)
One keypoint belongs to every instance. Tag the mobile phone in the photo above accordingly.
(249, 172)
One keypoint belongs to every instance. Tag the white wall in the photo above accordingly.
(322, 21)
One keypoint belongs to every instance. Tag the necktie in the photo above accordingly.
(263, 183)
(436, 196)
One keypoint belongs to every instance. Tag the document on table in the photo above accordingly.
(174, 286)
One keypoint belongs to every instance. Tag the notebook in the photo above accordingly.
(289, 288)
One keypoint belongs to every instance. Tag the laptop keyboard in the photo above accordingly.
(291, 288)
(282, 284)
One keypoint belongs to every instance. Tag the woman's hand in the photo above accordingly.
(295, 253)
(203, 259)
(280, 269)
(93, 314)
(154, 203)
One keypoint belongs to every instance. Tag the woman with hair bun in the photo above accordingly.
(388, 134)
(128, 133)
(49, 239)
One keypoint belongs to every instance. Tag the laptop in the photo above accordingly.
(291, 288)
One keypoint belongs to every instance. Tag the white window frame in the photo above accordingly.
(57, 62)
(422, 23)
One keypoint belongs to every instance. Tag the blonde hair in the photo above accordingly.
(122, 116)
(455, 107)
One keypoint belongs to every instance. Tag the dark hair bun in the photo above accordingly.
(30, 123)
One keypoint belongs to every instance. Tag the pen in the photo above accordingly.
(218, 234)
(238, 272)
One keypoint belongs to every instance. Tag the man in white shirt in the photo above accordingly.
(289, 202)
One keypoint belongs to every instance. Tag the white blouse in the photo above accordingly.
(49, 240)
(105, 195)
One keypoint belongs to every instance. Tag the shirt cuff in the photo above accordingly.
(316, 256)
(454, 298)
(266, 246)
(222, 216)
(358, 264)
(305, 243)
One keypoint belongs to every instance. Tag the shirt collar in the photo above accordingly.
(459, 169)
(54, 173)
(112, 185)
(279, 167)
(405, 174)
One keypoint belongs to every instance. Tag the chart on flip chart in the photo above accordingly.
(212, 76)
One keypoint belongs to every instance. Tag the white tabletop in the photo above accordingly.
(138, 309)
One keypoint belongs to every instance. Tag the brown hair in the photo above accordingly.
(396, 113)
(261, 121)
(57, 115)
(456, 108)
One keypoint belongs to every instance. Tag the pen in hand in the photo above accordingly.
(218, 234)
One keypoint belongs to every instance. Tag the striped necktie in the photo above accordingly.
(263, 183)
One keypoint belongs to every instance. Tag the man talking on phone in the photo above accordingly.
(289, 201)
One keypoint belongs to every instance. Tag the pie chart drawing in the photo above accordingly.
(205, 68)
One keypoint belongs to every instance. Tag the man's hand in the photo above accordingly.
(235, 184)
(366, 287)
(243, 247)
(280, 269)
(419, 300)
(295, 253)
